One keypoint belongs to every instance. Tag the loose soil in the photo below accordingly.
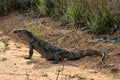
(13, 66)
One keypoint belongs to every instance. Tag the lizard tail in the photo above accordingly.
(84, 53)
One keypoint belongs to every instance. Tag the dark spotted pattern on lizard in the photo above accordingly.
(50, 51)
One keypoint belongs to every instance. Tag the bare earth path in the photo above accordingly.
(14, 67)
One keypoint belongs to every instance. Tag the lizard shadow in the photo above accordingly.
(48, 64)
(41, 63)
(75, 63)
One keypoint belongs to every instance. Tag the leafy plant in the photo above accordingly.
(42, 6)
(75, 12)
(52, 8)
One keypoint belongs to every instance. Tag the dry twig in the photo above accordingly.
(59, 70)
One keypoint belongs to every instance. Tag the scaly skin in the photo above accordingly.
(50, 51)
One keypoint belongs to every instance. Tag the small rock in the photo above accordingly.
(101, 40)
(84, 28)
(112, 41)
(14, 63)
(88, 31)
(58, 24)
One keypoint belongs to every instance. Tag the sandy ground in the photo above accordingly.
(13, 66)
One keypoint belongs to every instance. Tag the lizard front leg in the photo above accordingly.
(30, 53)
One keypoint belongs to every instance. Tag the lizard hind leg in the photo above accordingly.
(58, 58)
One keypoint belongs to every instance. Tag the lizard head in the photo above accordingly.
(22, 34)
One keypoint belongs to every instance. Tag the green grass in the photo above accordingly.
(42, 6)
(59, 41)
(31, 61)
(6, 44)
(100, 16)
(44, 75)
(75, 12)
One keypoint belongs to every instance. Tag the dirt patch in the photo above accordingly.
(14, 67)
